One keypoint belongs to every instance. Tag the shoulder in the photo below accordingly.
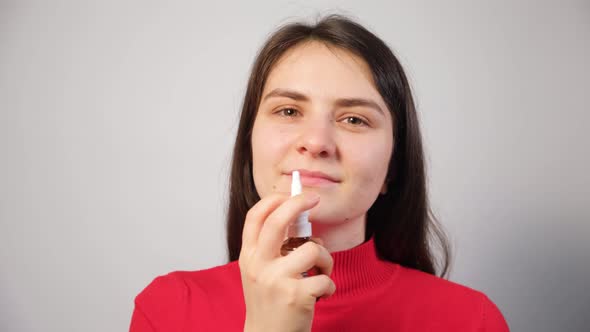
(450, 301)
(177, 285)
(168, 300)
(436, 287)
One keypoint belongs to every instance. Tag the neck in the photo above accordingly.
(342, 235)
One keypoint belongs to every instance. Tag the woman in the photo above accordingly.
(332, 101)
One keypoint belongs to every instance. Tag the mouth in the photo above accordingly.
(315, 178)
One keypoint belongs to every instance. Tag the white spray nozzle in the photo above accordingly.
(295, 184)
(301, 227)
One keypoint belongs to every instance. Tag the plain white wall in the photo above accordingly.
(117, 121)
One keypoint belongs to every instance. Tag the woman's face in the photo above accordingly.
(320, 112)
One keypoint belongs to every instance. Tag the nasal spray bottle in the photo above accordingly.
(299, 231)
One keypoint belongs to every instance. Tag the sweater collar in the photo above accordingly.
(358, 270)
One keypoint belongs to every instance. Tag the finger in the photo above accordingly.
(317, 286)
(256, 216)
(273, 231)
(307, 256)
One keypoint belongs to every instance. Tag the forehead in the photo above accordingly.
(319, 70)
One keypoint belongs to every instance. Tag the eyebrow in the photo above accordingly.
(341, 102)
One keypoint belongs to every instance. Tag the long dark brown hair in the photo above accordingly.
(404, 228)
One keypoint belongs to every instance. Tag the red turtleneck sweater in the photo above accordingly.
(371, 295)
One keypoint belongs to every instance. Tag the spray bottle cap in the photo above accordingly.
(300, 227)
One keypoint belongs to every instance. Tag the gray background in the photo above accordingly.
(117, 120)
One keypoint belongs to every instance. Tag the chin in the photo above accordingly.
(324, 217)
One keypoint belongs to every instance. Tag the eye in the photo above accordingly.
(356, 121)
(287, 112)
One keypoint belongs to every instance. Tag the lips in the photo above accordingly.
(314, 178)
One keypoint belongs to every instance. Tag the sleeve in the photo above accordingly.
(161, 306)
(492, 318)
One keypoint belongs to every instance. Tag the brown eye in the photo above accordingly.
(353, 120)
(289, 112)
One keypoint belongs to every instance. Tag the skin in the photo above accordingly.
(351, 143)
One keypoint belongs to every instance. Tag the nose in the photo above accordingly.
(317, 139)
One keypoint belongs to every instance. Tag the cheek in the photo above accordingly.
(269, 146)
(369, 163)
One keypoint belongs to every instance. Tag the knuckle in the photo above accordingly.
(251, 276)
